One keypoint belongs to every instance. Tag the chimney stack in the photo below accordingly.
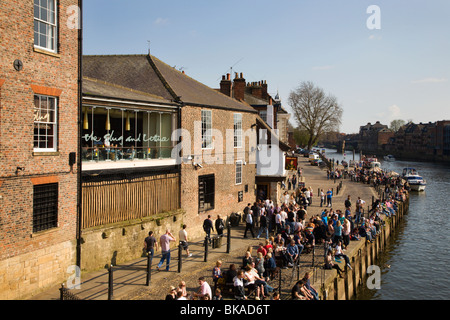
(264, 90)
(239, 87)
(225, 86)
(257, 90)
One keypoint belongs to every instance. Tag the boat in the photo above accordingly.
(389, 157)
(415, 181)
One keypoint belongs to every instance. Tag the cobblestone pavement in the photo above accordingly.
(130, 279)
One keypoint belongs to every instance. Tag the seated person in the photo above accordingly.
(238, 283)
(292, 253)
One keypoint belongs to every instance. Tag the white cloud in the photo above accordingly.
(323, 68)
(161, 21)
(394, 112)
(430, 80)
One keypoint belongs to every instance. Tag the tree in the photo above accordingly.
(315, 111)
(396, 124)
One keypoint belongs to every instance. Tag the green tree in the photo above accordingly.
(315, 111)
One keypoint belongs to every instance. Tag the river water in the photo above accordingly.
(416, 262)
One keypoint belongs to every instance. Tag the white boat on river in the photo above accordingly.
(415, 181)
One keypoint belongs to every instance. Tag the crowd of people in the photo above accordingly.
(289, 232)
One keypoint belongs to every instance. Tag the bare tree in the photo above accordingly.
(397, 124)
(315, 111)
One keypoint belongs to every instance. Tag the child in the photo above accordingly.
(217, 295)
(217, 273)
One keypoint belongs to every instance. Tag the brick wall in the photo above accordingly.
(42, 73)
(226, 190)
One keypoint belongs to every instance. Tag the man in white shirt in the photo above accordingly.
(184, 240)
(249, 224)
(278, 222)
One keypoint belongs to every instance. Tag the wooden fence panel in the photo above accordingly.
(108, 202)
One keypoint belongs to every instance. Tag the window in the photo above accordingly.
(45, 123)
(239, 172)
(263, 115)
(238, 130)
(112, 134)
(206, 190)
(45, 24)
(45, 207)
(206, 129)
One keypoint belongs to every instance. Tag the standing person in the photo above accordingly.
(322, 197)
(220, 225)
(249, 224)
(294, 181)
(263, 226)
(150, 244)
(208, 227)
(310, 195)
(217, 273)
(307, 194)
(184, 240)
(348, 203)
(346, 229)
(330, 198)
(164, 241)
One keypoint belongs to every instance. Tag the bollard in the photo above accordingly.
(149, 269)
(206, 249)
(61, 292)
(110, 283)
(180, 258)
(228, 237)
(279, 281)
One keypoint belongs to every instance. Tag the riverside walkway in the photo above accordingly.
(129, 280)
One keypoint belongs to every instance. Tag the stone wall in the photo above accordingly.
(363, 255)
(118, 243)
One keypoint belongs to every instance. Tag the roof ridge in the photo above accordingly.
(204, 85)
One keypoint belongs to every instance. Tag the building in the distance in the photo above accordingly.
(39, 107)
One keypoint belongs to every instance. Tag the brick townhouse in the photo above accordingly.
(39, 90)
(147, 177)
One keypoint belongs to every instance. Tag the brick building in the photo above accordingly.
(272, 124)
(39, 91)
(177, 152)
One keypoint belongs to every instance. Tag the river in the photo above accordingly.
(416, 262)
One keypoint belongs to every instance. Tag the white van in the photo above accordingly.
(313, 157)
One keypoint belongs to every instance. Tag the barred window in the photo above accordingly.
(206, 191)
(239, 172)
(238, 130)
(45, 207)
(45, 123)
(206, 129)
(45, 24)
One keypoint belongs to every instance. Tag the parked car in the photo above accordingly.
(316, 162)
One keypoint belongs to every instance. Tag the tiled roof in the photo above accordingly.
(129, 71)
(148, 75)
(98, 88)
(191, 91)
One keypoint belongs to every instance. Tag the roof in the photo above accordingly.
(98, 88)
(129, 71)
(193, 92)
(147, 76)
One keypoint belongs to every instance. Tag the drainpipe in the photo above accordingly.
(80, 101)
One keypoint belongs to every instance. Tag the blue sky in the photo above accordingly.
(400, 71)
